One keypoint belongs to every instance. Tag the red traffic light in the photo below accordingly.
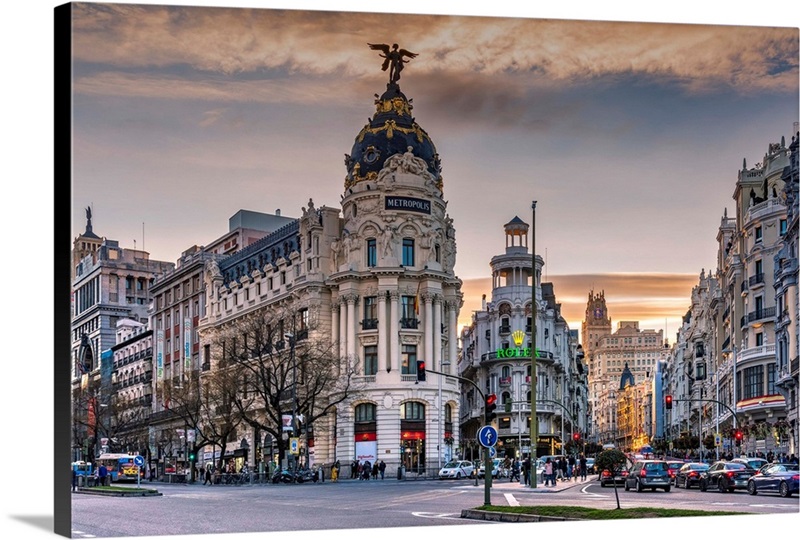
(576, 436)
(738, 435)
(668, 401)
(491, 399)
(420, 370)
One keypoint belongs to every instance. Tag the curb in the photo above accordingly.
(102, 493)
(511, 518)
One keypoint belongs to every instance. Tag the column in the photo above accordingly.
(351, 300)
(452, 322)
(382, 323)
(335, 326)
(427, 299)
(437, 332)
(394, 330)
(342, 327)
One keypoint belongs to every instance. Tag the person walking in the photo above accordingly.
(548, 473)
(526, 468)
(335, 472)
(562, 466)
(571, 466)
(382, 469)
(102, 475)
(355, 470)
(583, 466)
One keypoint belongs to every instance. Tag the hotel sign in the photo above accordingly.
(408, 204)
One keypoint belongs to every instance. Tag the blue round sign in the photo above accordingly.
(138, 461)
(487, 436)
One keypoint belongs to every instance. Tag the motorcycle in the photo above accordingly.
(306, 475)
(283, 476)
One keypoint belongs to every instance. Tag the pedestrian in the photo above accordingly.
(382, 469)
(571, 466)
(548, 473)
(102, 475)
(366, 470)
(583, 466)
(355, 470)
(335, 472)
(375, 471)
(526, 468)
(74, 480)
(207, 479)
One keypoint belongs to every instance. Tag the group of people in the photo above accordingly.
(365, 470)
(564, 468)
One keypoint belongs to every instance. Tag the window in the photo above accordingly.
(759, 339)
(370, 321)
(771, 379)
(408, 360)
(372, 252)
(782, 227)
(365, 412)
(753, 384)
(759, 235)
(408, 315)
(371, 360)
(408, 252)
(413, 411)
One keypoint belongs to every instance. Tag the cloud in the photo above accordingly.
(648, 298)
(699, 58)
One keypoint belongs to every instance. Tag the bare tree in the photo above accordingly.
(282, 370)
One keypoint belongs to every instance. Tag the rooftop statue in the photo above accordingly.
(393, 59)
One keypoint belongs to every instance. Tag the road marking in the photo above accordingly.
(773, 505)
(432, 515)
(595, 495)
(511, 500)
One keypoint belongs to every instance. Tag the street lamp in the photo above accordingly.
(534, 420)
(441, 414)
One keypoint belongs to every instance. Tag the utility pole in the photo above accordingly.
(534, 422)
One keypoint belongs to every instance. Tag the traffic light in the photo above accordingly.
(576, 436)
(668, 401)
(489, 406)
(507, 405)
(192, 456)
(738, 436)
(420, 370)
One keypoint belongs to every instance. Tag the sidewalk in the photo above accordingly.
(505, 485)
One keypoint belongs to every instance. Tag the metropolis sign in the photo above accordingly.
(408, 204)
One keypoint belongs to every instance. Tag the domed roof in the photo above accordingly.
(392, 130)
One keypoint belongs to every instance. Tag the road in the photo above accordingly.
(198, 509)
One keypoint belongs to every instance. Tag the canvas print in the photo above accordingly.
(338, 271)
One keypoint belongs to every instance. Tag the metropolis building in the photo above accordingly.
(370, 281)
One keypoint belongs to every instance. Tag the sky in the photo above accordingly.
(629, 138)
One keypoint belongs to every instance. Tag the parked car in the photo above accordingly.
(690, 474)
(497, 469)
(726, 476)
(648, 473)
(590, 466)
(781, 478)
(672, 469)
(754, 463)
(456, 469)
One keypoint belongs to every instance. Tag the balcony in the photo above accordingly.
(756, 280)
(408, 322)
(762, 209)
(761, 314)
(744, 287)
(752, 353)
(505, 381)
(369, 324)
(505, 329)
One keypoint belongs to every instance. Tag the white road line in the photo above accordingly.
(512, 501)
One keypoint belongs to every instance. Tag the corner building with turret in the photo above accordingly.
(373, 279)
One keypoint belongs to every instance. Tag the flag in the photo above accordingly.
(416, 300)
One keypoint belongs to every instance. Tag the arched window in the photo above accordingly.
(413, 410)
(448, 413)
(365, 412)
(506, 372)
(372, 252)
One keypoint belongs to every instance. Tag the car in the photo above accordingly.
(497, 469)
(726, 476)
(781, 478)
(648, 473)
(619, 478)
(456, 469)
(590, 466)
(690, 474)
(672, 469)
(752, 462)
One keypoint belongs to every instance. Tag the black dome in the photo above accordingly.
(391, 131)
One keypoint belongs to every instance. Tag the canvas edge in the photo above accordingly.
(62, 184)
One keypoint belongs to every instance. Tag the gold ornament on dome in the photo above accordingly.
(400, 106)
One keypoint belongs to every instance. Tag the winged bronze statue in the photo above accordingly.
(393, 59)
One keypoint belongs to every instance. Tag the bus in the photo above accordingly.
(120, 467)
(82, 468)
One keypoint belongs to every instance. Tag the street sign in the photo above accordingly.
(717, 440)
(487, 436)
(294, 445)
(138, 461)
(492, 452)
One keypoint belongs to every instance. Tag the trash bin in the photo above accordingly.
(401, 471)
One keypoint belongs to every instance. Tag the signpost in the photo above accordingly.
(139, 462)
(487, 437)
